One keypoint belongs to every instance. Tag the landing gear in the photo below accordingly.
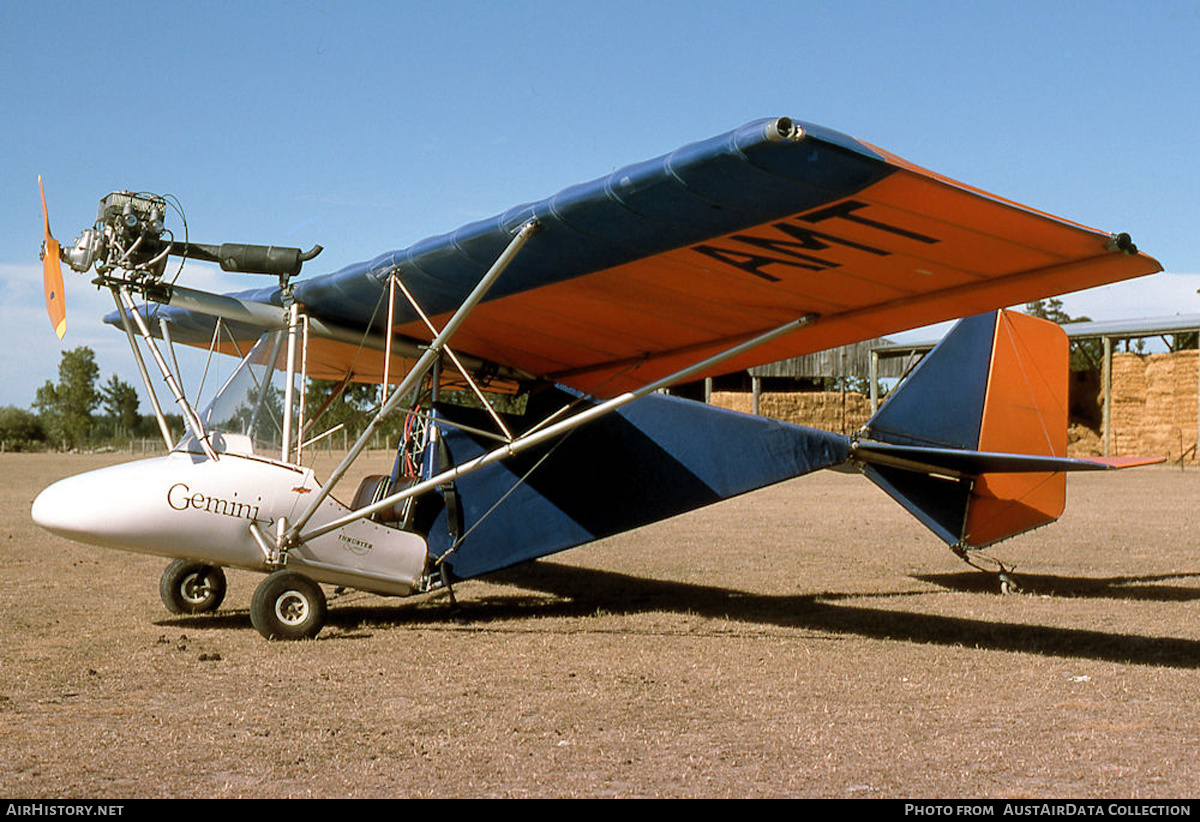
(288, 605)
(1008, 581)
(1004, 573)
(191, 587)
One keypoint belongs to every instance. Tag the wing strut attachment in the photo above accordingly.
(414, 376)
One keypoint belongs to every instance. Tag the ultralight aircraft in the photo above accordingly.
(773, 240)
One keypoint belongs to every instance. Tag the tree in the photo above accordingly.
(1051, 309)
(350, 408)
(1086, 355)
(66, 408)
(121, 404)
(1187, 341)
(19, 428)
(353, 407)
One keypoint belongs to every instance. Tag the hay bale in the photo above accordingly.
(827, 410)
(1083, 442)
(1154, 404)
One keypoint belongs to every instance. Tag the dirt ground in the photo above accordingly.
(808, 640)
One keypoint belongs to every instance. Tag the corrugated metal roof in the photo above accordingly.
(1117, 329)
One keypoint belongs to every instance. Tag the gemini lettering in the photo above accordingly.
(181, 498)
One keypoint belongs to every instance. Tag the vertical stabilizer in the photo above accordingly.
(956, 443)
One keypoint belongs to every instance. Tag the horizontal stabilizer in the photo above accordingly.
(1126, 462)
(957, 463)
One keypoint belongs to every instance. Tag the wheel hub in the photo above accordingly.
(291, 608)
(195, 588)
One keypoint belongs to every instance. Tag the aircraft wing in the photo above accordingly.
(662, 263)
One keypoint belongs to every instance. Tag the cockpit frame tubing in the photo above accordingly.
(428, 358)
(462, 370)
(289, 394)
(303, 404)
(189, 414)
(163, 428)
(391, 334)
(164, 328)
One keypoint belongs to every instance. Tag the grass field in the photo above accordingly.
(807, 640)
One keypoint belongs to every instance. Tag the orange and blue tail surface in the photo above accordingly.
(974, 442)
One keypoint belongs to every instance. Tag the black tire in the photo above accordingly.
(288, 605)
(192, 587)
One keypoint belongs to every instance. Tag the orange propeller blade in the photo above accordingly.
(52, 279)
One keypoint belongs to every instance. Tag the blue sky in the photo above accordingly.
(368, 126)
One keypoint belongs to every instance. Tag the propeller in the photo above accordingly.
(52, 278)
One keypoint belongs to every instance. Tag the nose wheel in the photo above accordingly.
(288, 605)
(192, 587)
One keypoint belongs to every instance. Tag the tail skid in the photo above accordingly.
(974, 443)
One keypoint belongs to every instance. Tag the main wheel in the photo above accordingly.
(288, 605)
(192, 587)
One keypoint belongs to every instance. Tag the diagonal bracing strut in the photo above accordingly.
(542, 435)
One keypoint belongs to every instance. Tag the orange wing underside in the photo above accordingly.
(908, 251)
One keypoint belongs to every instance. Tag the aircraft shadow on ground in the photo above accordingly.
(581, 592)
